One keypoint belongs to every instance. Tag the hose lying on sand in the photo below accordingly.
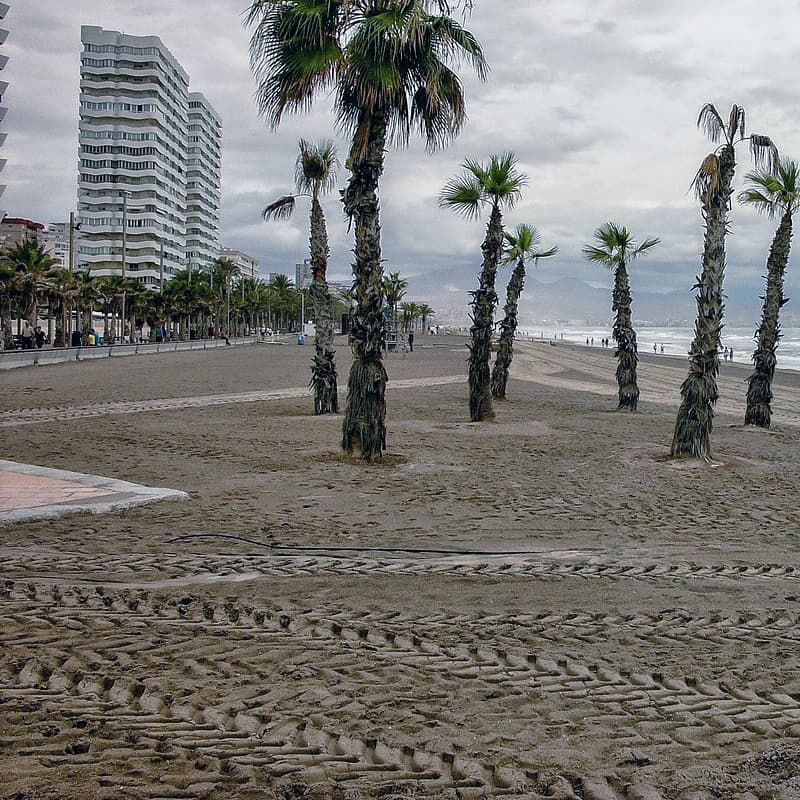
(350, 549)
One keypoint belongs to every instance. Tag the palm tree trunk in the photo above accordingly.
(364, 427)
(508, 328)
(323, 368)
(484, 300)
(692, 436)
(625, 337)
(759, 390)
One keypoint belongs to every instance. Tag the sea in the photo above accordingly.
(677, 341)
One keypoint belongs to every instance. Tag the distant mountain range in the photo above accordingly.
(569, 301)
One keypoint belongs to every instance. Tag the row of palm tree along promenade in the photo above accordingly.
(148, 254)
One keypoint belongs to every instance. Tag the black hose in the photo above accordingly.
(346, 549)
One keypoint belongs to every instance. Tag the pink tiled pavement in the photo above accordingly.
(18, 490)
(33, 492)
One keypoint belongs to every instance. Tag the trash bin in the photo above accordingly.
(301, 339)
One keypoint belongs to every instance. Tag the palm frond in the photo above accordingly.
(764, 153)
(282, 208)
(707, 180)
(464, 195)
(710, 122)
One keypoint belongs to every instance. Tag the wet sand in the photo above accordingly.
(543, 606)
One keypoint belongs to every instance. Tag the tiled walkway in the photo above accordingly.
(30, 492)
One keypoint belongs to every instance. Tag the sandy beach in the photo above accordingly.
(542, 606)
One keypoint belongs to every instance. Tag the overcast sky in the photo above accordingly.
(598, 100)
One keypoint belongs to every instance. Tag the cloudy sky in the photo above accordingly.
(598, 100)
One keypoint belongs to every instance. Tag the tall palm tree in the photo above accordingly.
(6, 303)
(394, 290)
(497, 183)
(30, 263)
(425, 313)
(85, 299)
(225, 272)
(615, 249)
(776, 195)
(713, 187)
(387, 62)
(62, 289)
(522, 245)
(315, 174)
(281, 291)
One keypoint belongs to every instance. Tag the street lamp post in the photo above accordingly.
(73, 226)
(124, 255)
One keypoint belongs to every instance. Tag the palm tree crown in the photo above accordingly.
(383, 58)
(616, 245)
(497, 181)
(773, 193)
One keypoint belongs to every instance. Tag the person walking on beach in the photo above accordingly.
(730, 354)
(411, 341)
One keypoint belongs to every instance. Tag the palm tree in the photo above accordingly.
(86, 297)
(387, 62)
(30, 263)
(225, 271)
(522, 245)
(394, 290)
(776, 195)
(425, 312)
(712, 184)
(315, 173)
(62, 289)
(6, 303)
(497, 183)
(281, 289)
(615, 249)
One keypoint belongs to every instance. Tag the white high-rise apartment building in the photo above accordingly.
(203, 174)
(134, 159)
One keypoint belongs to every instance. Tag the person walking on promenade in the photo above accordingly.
(27, 336)
(411, 341)
(40, 337)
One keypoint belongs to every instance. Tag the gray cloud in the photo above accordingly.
(598, 102)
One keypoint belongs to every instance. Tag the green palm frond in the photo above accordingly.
(497, 181)
(773, 193)
(464, 195)
(523, 243)
(315, 169)
(616, 245)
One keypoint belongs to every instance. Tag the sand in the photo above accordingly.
(543, 606)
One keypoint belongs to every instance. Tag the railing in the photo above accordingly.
(10, 359)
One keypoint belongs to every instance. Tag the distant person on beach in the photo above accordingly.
(730, 354)
(411, 341)
(587, 340)
(655, 347)
(662, 347)
(725, 354)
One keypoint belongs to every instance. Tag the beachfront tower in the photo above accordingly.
(203, 174)
(134, 159)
